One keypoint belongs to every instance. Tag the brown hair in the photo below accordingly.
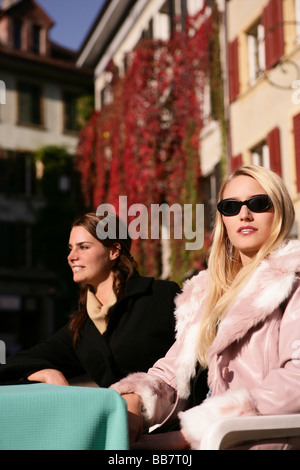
(124, 267)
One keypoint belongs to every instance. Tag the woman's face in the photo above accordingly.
(90, 261)
(247, 230)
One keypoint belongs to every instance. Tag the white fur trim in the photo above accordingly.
(271, 284)
(189, 306)
(232, 403)
(186, 362)
(157, 397)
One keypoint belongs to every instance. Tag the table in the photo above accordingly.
(52, 417)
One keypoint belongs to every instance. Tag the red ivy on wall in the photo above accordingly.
(145, 143)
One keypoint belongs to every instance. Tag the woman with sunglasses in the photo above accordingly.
(238, 324)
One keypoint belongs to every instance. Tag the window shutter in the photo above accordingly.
(272, 20)
(236, 162)
(233, 66)
(297, 148)
(273, 142)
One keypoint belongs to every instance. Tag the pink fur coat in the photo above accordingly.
(254, 361)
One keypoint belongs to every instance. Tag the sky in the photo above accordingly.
(73, 19)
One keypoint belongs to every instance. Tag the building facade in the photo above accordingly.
(264, 72)
(260, 56)
(117, 31)
(40, 88)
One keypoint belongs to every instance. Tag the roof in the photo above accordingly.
(108, 22)
(58, 60)
(11, 59)
(23, 6)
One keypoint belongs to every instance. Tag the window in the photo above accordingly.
(70, 112)
(265, 47)
(261, 155)
(17, 174)
(106, 95)
(17, 35)
(148, 33)
(256, 52)
(168, 10)
(176, 10)
(36, 31)
(29, 101)
(183, 13)
(268, 153)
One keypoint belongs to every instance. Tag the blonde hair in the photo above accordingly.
(227, 275)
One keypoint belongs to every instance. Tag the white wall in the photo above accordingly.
(16, 137)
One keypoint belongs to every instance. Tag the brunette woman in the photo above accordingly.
(124, 321)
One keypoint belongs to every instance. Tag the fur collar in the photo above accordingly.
(269, 286)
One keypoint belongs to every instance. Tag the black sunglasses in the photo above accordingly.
(259, 203)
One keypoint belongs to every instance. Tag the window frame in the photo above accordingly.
(256, 52)
(34, 105)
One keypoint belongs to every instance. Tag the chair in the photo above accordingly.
(230, 432)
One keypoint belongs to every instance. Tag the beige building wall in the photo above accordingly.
(271, 100)
(30, 138)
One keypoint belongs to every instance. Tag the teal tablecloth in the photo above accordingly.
(51, 417)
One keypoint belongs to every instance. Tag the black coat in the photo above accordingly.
(140, 330)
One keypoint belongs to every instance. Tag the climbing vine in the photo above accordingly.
(145, 143)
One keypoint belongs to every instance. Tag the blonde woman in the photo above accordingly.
(238, 321)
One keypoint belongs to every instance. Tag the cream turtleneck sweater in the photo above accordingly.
(97, 312)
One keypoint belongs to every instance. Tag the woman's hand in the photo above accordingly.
(173, 440)
(135, 417)
(49, 376)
